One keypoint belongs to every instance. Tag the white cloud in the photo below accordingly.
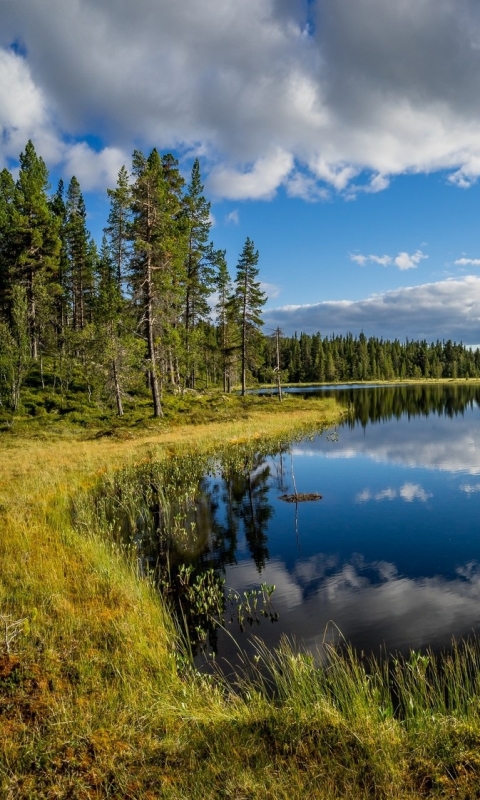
(447, 309)
(259, 183)
(305, 187)
(359, 259)
(382, 260)
(463, 262)
(370, 90)
(270, 289)
(25, 114)
(233, 217)
(94, 170)
(405, 261)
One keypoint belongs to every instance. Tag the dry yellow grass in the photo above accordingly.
(34, 468)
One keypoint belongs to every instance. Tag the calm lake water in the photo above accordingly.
(390, 556)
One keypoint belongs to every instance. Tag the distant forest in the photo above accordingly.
(313, 358)
(155, 308)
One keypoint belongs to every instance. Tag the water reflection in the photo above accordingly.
(372, 605)
(389, 556)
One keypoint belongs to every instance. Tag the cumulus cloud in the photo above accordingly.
(447, 309)
(359, 259)
(362, 260)
(405, 261)
(334, 96)
(402, 261)
(382, 260)
(95, 170)
(468, 262)
(259, 183)
(25, 113)
(413, 491)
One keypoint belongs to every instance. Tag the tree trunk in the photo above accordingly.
(152, 369)
(116, 383)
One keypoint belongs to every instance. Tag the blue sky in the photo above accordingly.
(343, 138)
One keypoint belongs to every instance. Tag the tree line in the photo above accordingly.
(308, 358)
(136, 312)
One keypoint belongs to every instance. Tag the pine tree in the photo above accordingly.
(118, 227)
(249, 300)
(7, 193)
(174, 275)
(34, 241)
(81, 259)
(15, 350)
(109, 315)
(148, 233)
(198, 265)
(225, 318)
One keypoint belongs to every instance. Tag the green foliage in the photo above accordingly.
(247, 301)
(309, 358)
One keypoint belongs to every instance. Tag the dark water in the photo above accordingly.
(390, 556)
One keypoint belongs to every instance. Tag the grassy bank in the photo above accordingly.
(91, 702)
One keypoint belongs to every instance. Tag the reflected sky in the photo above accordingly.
(390, 555)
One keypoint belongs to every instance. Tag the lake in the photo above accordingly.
(389, 558)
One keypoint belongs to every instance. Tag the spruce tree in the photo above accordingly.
(198, 266)
(110, 312)
(60, 290)
(7, 193)
(225, 309)
(34, 241)
(118, 227)
(249, 300)
(81, 259)
(148, 231)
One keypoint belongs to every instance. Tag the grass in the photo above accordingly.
(92, 704)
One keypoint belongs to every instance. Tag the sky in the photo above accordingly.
(343, 138)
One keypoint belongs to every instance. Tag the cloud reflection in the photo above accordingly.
(369, 602)
(407, 492)
(469, 488)
(440, 446)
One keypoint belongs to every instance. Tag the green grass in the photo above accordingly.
(92, 704)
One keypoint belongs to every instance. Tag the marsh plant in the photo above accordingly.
(162, 516)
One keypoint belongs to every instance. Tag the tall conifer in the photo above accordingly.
(249, 300)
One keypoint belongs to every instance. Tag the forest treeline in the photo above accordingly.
(155, 309)
(311, 358)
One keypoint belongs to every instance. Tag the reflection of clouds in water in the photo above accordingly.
(469, 488)
(451, 445)
(413, 491)
(407, 492)
(368, 602)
